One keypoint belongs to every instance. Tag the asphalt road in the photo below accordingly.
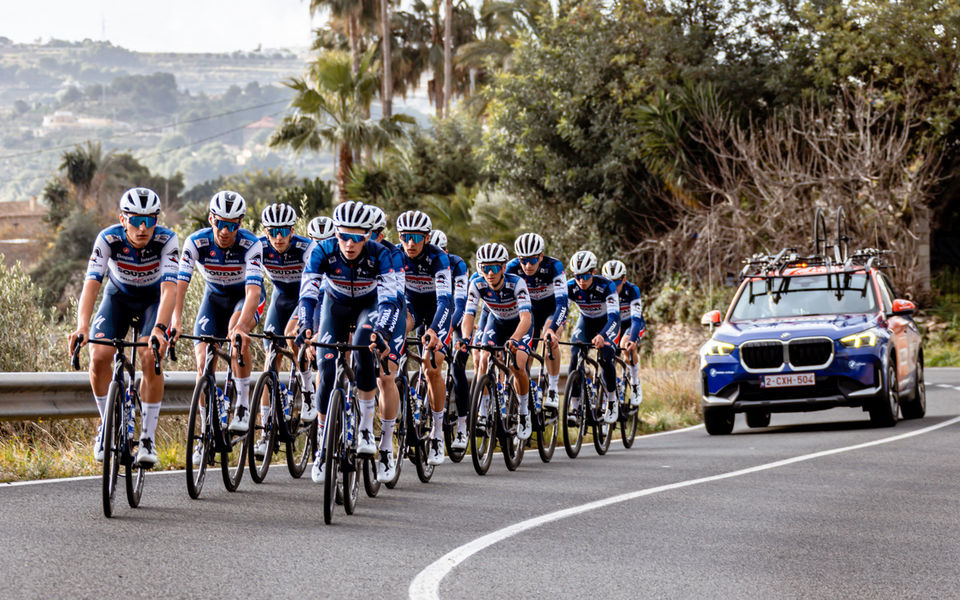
(818, 505)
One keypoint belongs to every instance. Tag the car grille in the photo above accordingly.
(810, 353)
(762, 355)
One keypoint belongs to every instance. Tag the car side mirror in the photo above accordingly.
(903, 308)
(711, 319)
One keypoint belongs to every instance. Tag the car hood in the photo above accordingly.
(832, 326)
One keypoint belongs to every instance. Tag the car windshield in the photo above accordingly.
(800, 296)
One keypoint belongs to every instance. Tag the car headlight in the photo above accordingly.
(718, 348)
(862, 339)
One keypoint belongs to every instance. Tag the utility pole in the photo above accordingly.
(447, 56)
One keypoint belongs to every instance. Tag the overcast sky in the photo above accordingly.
(165, 26)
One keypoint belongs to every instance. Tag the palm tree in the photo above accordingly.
(330, 104)
(505, 22)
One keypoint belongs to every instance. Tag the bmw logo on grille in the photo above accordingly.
(785, 334)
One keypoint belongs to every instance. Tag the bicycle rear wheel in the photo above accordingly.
(572, 420)
(233, 459)
(133, 472)
(266, 387)
(400, 431)
(301, 438)
(481, 428)
(421, 431)
(511, 446)
(629, 414)
(450, 419)
(113, 430)
(198, 438)
(332, 439)
(547, 422)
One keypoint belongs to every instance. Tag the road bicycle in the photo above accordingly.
(629, 414)
(207, 431)
(544, 420)
(120, 422)
(284, 425)
(584, 382)
(419, 414)
(498, 420)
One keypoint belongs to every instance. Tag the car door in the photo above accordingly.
(906, 336)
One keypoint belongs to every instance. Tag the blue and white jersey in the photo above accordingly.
(284, 269)
(369, 277)
(135, 271)
(461, 283)
(598, 301)
(631, 309)
(396, 256)
(227, 271)
(547, 286)
(427, 276)
(505, 303)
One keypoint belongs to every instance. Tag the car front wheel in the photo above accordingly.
(916, 407)
(718, 419)
(886, 407)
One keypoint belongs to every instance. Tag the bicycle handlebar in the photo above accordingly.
(120, 345)
(345, 347)
(547, 344)
(172, 349)
(513, 357)
(419, 342)
(75, 357)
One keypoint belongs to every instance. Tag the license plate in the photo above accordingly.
(788, 380)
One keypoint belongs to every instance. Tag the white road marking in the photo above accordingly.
(65, 479)
(426, 585)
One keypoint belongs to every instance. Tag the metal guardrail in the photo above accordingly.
(55, 395)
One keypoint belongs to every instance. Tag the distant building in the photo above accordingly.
(254, 129)
(65, 119)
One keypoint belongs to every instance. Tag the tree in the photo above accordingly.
(330, 102)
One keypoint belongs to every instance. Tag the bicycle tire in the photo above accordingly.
(134, 474)
(300, 443)
(481, 452)
(602, 432)
(195, 423)
(511, 446)
(628, 426)
(571, 443)
(421, 431)
(112, 431)
(238, 464)
(331, 454)
(451, 418)
(266, 383)
(400, 431)
(350, 481)
(546, 431)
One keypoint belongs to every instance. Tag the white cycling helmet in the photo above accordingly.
(414, 221)
(320, 228)
(378, 218)
(438, 238)
(528, 244)
(228, 205)
(278, 215)
(583, 262)
(492, 253)
(614, 269)
(140, 201)
(352, 214)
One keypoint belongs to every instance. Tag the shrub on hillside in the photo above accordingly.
(31, 341)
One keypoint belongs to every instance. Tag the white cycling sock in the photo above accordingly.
(386, 434)
(101, 405)
(522, 407)
(307, 380)
(437, 431)
(265, 412)
(574, 403)
(462, 425)
(635, 374)
(553, 382)
(484, 405)
(243, 391)
(366, 414)
(320, 424)
(151, 416)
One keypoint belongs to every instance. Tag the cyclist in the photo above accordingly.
(140, 259)
(231, 260)
(461, 387)
(429, 301)
(284, 255)
(599, 322)
(387, 383)
(632, 324)
(509, 323)
(547, 285)
(360, 291)
(320, 228)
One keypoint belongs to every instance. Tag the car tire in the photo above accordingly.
(758, 419)
(916, 407)
(886, 407)
(718, 420)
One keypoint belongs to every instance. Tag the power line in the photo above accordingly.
(206, 139)
(149, 129)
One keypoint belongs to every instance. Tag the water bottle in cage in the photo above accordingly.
(286, 398)
(537, 396)
(222, 406)
(130, 410)
(348, 424)
(416, 405)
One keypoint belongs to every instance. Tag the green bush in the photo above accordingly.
(31, 339)
(678, 300)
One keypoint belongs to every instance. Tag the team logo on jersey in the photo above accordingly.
(271, 255)
(97, 252)
(328, 355)
(213, 253)
(338, 271)
(126, 250)
(99, 334)
(200, 242)
(111, 238)
(245, 243)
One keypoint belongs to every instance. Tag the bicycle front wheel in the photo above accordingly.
(301, 437)
(481, 426)
(512, 446)
(113, 431)
(400, 431)
(350, 481)
(199, 440)
(233, 458)
(571, 418)
(133, 472)
(547, 428)
(266, 388)
(421, 431)
(332, 436)
(602, 432)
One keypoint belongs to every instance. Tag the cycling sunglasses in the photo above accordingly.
(583, 277)
(491, 269)
(228, 225)
(529, 261)
(351, 237)
(279, 231)
(137, 220)
(416, 238)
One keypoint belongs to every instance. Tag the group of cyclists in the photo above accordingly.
(345, 278)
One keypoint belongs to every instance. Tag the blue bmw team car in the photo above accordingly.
(812, 333)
